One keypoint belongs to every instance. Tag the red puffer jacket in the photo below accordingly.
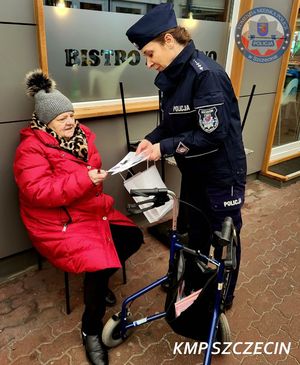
(66, 215)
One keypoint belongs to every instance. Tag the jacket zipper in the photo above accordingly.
(69, 221)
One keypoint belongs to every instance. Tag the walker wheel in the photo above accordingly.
(111, 334)
(223, 333)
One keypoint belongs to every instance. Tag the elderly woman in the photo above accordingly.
(71, 222)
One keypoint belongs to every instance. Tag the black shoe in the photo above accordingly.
(110, 298)
(95, 350)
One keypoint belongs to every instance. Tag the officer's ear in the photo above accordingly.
(169, 40)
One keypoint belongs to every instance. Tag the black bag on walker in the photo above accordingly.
(187, 276)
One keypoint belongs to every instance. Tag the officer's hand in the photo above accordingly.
(155, 154)
(144, 147)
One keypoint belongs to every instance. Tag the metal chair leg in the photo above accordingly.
(39, 260)
(67, 293)
(66, 276)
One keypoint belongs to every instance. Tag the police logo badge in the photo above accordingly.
(208, 119)
(263, 35)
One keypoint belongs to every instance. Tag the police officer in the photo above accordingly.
(200, 127)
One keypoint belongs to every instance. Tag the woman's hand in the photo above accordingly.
(97, 176)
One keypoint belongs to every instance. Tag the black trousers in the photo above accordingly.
(127, 241)
(200, 223)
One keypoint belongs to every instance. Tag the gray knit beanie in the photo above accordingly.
(49, 102)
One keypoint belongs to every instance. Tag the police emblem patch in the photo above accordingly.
(208, 119)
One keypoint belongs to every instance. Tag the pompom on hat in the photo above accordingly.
(151, 25)
(49, 102)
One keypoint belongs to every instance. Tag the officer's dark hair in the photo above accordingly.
(180, 34)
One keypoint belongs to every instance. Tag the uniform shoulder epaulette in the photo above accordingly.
(198, 65)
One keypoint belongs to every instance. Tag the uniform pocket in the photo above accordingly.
(226, 198)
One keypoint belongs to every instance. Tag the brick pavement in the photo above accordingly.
(34, 328)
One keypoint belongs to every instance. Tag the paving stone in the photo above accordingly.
(60, 345)
(152, 356)
(255, 360)
(32, 359)
(281, 288)
(267, 325)
(4, 359)
(293, 327)
(243, 316)
(64, 360)
(273, 256)
(77, 355)
(258, 284)
(242, 296)
(288, 305)
(254, 267)
(10, 289)
(123, 353)
(278, 270)
(249, 334)
(290, 360)
(225, 360)
(31, 341)
(264, 302)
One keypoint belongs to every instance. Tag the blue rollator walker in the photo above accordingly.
(197, 281)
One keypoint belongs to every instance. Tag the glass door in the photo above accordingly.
(287, 136)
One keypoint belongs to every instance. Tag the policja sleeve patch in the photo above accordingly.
(182, 149)
(208, 119)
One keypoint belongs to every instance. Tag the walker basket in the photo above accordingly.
(195, 321)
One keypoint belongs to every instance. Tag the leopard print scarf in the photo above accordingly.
(77, 145)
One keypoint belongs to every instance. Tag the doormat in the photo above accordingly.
(286, 167)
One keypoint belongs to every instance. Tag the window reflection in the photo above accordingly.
(288, 124)
(90, 65)
(214, 10)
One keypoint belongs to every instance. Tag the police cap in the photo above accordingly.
(158, 20)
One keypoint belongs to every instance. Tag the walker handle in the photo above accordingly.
(148, 192)
(227, 229)
(224, 237)
(228, 233)
(228, 238)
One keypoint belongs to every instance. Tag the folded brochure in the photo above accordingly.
(182, 304)
(130, 160)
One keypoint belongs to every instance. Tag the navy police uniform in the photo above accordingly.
(201, 128)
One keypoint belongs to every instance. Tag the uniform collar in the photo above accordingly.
(168, 78)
